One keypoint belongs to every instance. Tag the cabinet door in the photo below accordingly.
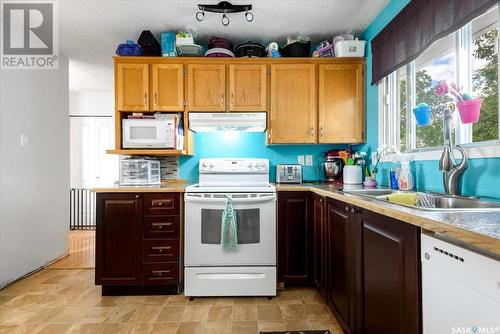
(340, 253)
(294, 246)
(319, 233)
(341, 103)
(132, 87)
(206, 88)
(118, 239)
(167, 87)
(293, 104)
(390, 271)
(247, 87)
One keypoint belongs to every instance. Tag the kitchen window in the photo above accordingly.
(468, 57)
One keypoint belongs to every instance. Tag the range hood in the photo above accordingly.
(223, 121)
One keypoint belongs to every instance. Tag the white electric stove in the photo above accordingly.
(250, 270)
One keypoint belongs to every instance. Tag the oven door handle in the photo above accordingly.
(249, 200)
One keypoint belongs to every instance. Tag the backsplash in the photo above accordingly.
(251, 145)
(169, 168)
(480, 178)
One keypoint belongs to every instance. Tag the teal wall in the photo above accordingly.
(482, 178)
(249, 145)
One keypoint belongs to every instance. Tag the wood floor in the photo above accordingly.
(57, 300)
(81, 251)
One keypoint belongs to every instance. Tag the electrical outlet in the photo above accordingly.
(300, 159)
(25, 140)
(309, 160)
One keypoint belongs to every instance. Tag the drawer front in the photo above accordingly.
(161, 204)
(160, 251)
(160, 273)
(161, 227)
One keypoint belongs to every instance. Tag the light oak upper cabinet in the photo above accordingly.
(132, 87)
(293, 104)
(247, 88)
(341, 103)
(206, 88)
(167, 87)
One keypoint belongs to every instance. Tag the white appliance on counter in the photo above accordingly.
(150, 133)
(251, 269)
(460, 289)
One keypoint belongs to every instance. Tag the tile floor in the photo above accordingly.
(63, 299)
(66, 301)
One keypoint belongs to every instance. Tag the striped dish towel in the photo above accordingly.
(425, 200)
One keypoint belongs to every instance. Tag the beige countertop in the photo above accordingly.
(163, 188)
(477, 229)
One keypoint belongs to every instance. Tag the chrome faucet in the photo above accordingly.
(452, 171)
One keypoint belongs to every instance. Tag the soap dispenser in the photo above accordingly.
(406, 180)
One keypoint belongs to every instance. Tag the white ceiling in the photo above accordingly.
(90, 30)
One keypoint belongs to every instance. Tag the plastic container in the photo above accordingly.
(355, 48)
(469, 110)
(422, 114)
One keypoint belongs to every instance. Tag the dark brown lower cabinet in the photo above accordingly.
(295, 263)
(390, 275)
(118, 239)
(138, 243)
(319, 246)
(367, 267)
(341, 263)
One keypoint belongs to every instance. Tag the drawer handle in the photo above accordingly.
(160, 203)
(160, 272)
(346, 208)
(160, 249)
(161, 225)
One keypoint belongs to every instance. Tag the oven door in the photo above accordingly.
(256, 221)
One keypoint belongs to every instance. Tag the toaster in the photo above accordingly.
(288, 173)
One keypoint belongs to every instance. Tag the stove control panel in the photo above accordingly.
(234, 165)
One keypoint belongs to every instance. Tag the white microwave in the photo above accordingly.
(139, 171)
(149, 133)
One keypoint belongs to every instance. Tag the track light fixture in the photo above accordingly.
(224, 7)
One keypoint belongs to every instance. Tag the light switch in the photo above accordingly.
(300, 159)
(25, 140)
(309, 160)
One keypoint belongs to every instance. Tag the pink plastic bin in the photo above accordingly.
(469, 110)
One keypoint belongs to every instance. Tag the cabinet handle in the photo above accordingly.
(160, 249)
(311, 131)
(159, 272)
(145, 98)
(321, 132)
(155, 100)
(232, 99)
(222, 99)
(137, 196)
(346, 208)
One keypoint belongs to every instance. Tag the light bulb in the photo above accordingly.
(225, 19)
(249, 16)
(200, 16)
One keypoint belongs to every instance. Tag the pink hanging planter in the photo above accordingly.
(469, 110)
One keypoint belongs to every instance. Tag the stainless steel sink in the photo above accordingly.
(443, 202)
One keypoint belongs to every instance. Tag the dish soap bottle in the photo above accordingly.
(406, 180)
